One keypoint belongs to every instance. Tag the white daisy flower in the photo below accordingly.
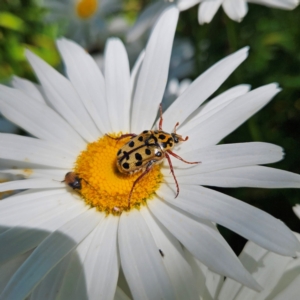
(59, 243)
(84, 18)
(279, 275)
(235, 9)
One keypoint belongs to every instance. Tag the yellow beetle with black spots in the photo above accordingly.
(145, 150)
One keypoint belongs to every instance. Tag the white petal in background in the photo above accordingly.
(235, 9)
(207, 10)
(186, 4)
(275, 273)
(140, 259)
(87, 80)
(153, 76)
(283, 4)
(117, 85)
(145, 20)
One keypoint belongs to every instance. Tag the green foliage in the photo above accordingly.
(22, 26)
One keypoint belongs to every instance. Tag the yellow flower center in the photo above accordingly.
(102, 184)
(86, 8)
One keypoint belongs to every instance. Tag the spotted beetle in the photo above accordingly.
(148, 148)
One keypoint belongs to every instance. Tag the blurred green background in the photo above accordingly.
(274, 39)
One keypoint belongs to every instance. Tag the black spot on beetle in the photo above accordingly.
(126, 166)
(148, 151)
(131, 144)
(145, 131)
(119, 152)
(171, 144)
(126, 155)
(140, 138)
(138, 156)
(139, 163)
(164, 145)
(162, 136)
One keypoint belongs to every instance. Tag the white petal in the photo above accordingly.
(120, 295)
(34, 151)
(180, 273)
(135, 71)
(64, 98)
(283, 4)
(202, 88)
(53, 174)
(48, 254)
(224, 121)
(146, 20)
(207, 10)
(50, 285)
(87, 80)
(101, 263)
(225, 156)
(252, 176)
(140, 259)
(296, 210)
(266, 267)
(8, 269)
(24, 237)
(75, 275)
(117, 84)
(29, 184)
(154, 72)
(28, 88)
(186, 4)
(235, 9)
(38, 119)
(240, 217)
(218, 103)
(209, 282)
(203, 241)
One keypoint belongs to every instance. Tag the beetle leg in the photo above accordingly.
(178, 157)
(161, 118)
(122, 136)
(172, 171)
(148, 168)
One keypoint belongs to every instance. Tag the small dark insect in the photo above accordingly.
(72, 180)
(161, 253)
